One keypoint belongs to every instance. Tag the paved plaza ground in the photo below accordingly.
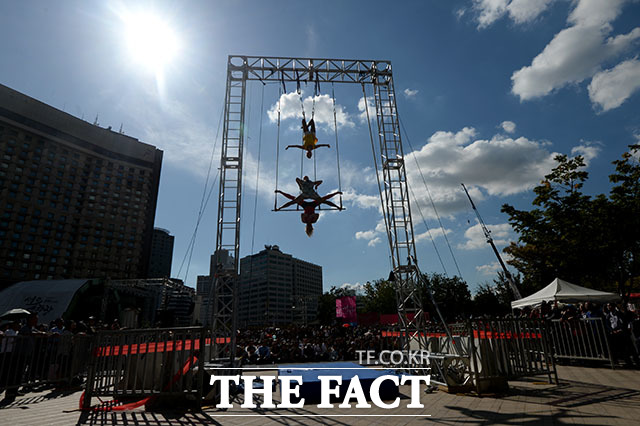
(599, 396)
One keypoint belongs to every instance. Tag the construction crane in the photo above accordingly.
(487, 234)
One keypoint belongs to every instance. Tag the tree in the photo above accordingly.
(380, 297)
(451, 294)
(488, 302)
(590, 241)
(625, 219)
(563, 236)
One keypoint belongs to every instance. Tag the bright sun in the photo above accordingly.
(152, 43)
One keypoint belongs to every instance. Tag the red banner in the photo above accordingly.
(346, 308)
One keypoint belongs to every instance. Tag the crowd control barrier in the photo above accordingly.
(581, 339)
(41, 359)
(144, 364)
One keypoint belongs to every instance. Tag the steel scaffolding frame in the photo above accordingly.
(394, 197)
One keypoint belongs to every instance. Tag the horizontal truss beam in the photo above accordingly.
(266, 68)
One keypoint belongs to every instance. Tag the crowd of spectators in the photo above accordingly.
(46, 355)
(622, 324)
(309, 343)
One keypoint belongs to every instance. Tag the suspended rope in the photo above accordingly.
(424, 181)
(203, 202)
(255, 201)
(375, 164)
(335, 126)
(275, 198)
(435, 247)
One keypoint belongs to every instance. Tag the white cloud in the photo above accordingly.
(500, 166)
(362, 201)
(508, 126)
(489, 11)
(357, 287)
(290, 108)
(488, 269)
(374, 242)
(363, 110)
(519, 11)
(365, 235)
(610, 88)
(410, 93)
(435, 233)
(576, 53)
(501, 233)
(588, 150)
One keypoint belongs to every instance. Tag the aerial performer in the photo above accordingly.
(309, 215)
(309, 140)
(308, 188)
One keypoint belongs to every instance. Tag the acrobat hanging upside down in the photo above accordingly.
(309, 139)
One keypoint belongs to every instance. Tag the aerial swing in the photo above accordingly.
(309, 139)
(308, 199)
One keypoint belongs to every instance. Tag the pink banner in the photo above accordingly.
(346, 308)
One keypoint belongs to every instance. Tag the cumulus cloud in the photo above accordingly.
(363, 109)
(610, 88)
(519, 11)
(489, 11)
(588, 150)
(577, 52)
(357, 287)
(500, 166)
(410, 93)
(323, 115)
(501, 233)
(489, 268)
(508, 126)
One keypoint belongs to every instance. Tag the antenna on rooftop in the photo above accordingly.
(95, 122)
(120, 131)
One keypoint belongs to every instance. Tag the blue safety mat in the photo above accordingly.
(310, 387)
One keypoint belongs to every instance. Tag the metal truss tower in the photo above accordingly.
(394, 195)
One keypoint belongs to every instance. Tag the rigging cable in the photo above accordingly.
(204, 201)
(444, 234)
(428, 230)
(275, 198)
(335, 125)
(255, 202)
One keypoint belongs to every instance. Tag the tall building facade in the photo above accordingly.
(220, 260)
(161, 254)
(78, 200)
(276, 288)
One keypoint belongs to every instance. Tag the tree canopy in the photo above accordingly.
(592, 241)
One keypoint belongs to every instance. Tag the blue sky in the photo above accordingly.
(488, 90)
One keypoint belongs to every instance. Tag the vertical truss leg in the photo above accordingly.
(225, 285)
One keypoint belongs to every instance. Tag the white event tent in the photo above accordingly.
(562, 291)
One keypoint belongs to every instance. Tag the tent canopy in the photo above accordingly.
(562, 291)
(47, 298)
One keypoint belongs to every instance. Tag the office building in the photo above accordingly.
(161, 254)
(220, 260)
(277, 289)
(78, 200)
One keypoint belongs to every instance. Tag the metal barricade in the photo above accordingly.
(581, 339)
(507, 349)
(143, 363)
(38, 359)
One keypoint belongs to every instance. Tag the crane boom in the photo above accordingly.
(487, 235)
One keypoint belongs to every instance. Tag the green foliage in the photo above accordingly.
(380, 297)
(451, 294)
(487, 302)
(570, 235)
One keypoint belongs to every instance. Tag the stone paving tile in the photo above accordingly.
(584, 396)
